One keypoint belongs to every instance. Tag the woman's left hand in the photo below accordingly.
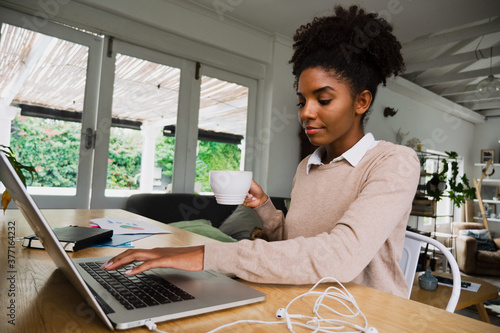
(185, 258)
(255, 197)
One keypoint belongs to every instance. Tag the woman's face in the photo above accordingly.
(327, 111)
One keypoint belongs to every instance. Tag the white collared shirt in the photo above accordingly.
(353, 155)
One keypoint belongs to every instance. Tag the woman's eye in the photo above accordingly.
(301, 104)
(324, 101)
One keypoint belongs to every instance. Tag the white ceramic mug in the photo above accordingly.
(230, 187)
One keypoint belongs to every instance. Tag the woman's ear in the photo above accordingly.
(363, 102)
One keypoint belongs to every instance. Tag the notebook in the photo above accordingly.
(73, 238)
(200, 292)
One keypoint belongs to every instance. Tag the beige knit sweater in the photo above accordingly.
(344, 222)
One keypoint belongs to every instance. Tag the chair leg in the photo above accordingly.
(482, 312)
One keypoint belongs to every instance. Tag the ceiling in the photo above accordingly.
(447, 44)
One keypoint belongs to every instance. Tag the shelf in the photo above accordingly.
(427, 214)
(441, 234)
(429, 155)
(423, 207)
(484, 164)
(426, 174)
(491, 181)
(423, 202)
(489, 219)
(495, 202)
(487, 181)
(421, 214)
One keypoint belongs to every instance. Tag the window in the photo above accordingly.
(221, 129)
(52, 147)
(145, 95)
(102, 119)
(34, 75)
(44, 97)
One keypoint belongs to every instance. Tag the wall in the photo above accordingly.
(284, 139)
(486, 136)
(435, 129)
(191, 22)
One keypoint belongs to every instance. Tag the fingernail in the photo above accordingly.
(106, 264)
(254, 199)
(128, 272)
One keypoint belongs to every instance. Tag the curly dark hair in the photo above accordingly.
(358, 48)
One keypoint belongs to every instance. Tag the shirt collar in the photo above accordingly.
(353, 155)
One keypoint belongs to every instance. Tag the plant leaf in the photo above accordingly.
(16, 165)
(6, 198)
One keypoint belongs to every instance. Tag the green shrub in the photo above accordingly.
(52, 148)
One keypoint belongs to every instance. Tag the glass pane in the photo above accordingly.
(124, 159)
(164, 162)
(222, 129)
(145, 99)
(52, 147)
(34, 76)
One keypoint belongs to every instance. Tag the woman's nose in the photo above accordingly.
(307, 112)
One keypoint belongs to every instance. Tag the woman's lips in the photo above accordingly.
(312, 130)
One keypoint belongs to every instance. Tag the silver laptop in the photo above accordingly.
(174, 293)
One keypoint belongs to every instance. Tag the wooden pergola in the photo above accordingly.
(48, 72)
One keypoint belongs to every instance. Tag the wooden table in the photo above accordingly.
(439, 297)
(44, 301)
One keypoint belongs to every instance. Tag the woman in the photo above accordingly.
(351, 198)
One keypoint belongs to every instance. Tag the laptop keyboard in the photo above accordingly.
(138, 291)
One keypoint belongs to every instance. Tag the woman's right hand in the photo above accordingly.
(189, 258)
(255, 196)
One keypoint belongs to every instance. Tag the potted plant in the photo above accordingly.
(437, 184)
(459, 189)
(422, 159)
(19, 167)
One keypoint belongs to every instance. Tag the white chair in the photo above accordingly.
(409, 260)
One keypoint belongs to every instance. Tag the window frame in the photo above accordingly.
(97, 101)
(95, 45)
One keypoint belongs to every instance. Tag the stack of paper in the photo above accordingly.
(126, 231)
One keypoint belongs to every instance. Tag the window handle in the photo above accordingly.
(89, 138)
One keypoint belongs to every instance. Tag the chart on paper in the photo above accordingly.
(123, 227)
